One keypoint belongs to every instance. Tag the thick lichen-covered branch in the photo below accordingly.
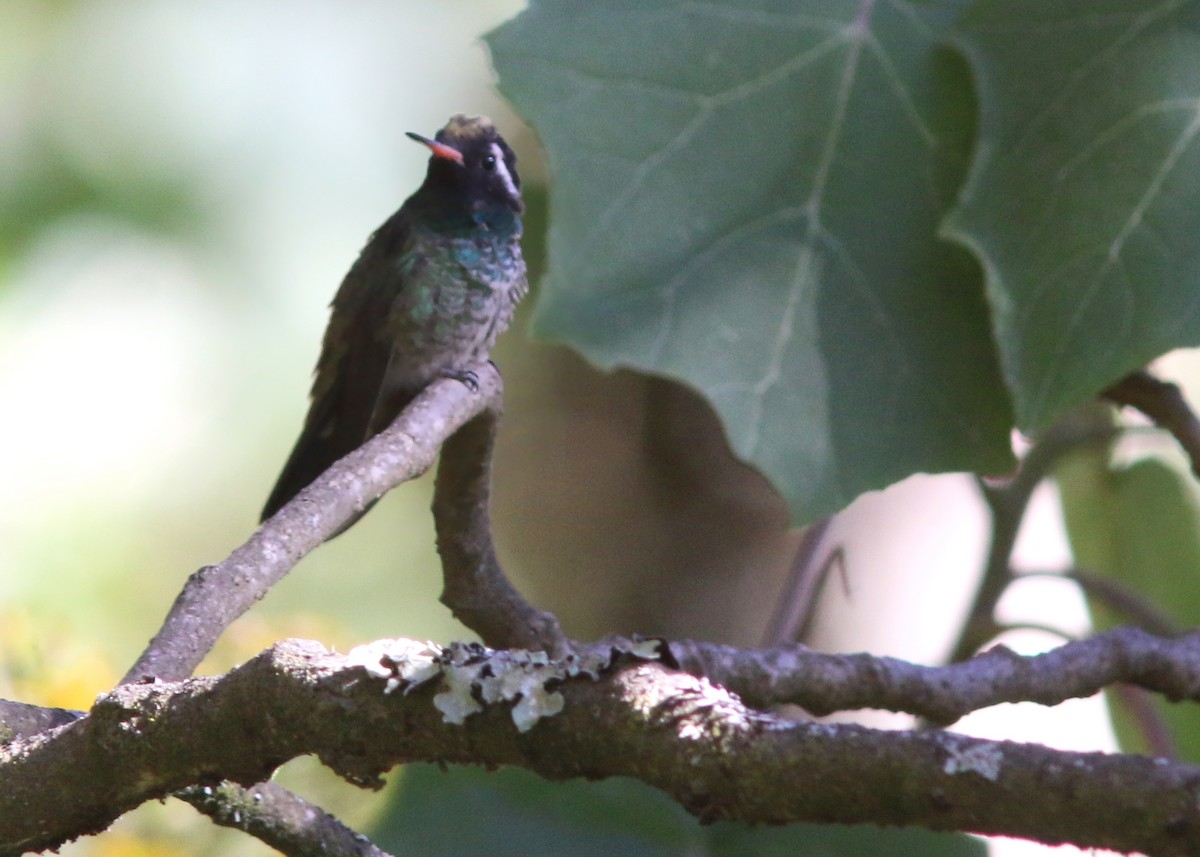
(693, 740)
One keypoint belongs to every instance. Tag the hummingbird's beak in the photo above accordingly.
(440, 150)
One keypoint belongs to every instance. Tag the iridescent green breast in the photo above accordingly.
(457, 294)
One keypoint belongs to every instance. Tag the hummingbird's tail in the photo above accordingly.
(303, 466)
(319, 446)
(331, 431)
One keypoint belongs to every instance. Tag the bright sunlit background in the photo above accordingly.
(183, 187)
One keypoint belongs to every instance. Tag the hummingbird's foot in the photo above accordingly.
(469, 379)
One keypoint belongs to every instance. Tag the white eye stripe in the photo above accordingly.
(502, 171)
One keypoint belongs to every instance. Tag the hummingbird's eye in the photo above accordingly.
(489, 162)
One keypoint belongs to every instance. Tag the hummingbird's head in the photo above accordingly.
(472, 165)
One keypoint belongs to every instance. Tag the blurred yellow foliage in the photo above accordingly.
(120, 844)
(46, 661)
(254, 632)
(43, 662)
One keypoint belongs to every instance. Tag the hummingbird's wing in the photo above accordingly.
(352, 366)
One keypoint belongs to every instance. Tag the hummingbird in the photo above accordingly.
(430, 292)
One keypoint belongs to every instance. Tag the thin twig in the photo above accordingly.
(1008, 502)
(1135, 608)
(796, 604)
(1160, 742)
(1039, 627)
(1164, 404)
(1132, 607)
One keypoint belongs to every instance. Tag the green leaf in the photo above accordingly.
(816, 840)
(1084, 201)
(1139, 526)
(746, 198)
(512, 812)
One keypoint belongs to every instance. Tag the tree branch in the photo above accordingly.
(823, 683)
(281, 819)
(694, 741)
(20, 720)
(216, 595)
(827, 683)
(476, 589)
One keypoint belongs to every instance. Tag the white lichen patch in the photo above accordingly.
(721, 714)
(516, 676)
(645, 649)
(405, 664)
(455, 700)
(983, 759)
(590, 664)
(690, 730)
(472, 676)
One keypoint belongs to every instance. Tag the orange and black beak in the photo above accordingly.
(440, 150)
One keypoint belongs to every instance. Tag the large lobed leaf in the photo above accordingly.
(1084, 199)
(746, 197)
